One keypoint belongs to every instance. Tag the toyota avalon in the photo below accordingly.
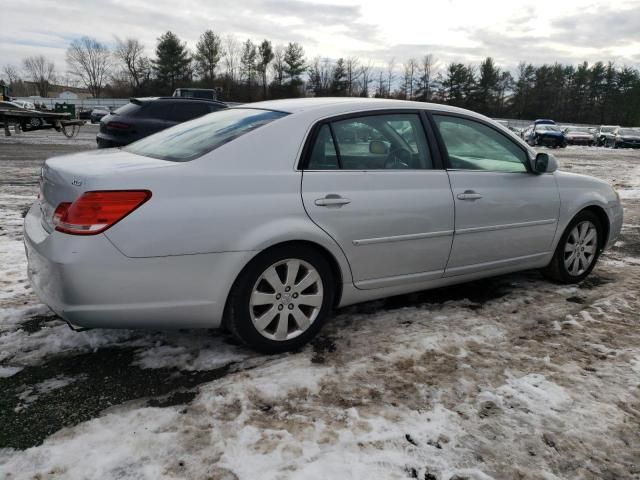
(263, 218)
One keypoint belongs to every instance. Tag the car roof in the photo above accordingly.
(141, 100)
(326, 106)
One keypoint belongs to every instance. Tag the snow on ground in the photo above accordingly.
(512, 377)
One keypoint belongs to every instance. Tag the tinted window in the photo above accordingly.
(187, 111)
(373, 142)
(159, 110)
(129, 109)
(474, 146)
(193, 139)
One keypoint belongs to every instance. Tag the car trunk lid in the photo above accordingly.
(65, 178)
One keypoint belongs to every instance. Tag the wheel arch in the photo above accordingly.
(601, 213)
(333, 262)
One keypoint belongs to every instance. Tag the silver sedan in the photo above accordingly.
(263, 218)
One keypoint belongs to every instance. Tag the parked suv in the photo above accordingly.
(145, 116)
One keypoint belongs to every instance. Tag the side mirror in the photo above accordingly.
(376, 147)
(544, 163)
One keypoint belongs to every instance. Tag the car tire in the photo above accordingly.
(570, 263)
(266, 303)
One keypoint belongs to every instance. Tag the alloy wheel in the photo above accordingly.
(286, 299)
(580, 248)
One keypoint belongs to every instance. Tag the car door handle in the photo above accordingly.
(332, 200)
(469, 195)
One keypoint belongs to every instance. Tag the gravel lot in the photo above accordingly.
(511, 377)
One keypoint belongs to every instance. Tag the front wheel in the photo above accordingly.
(281, 299)
(578, 249)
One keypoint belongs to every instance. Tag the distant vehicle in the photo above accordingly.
(544, 121)
(624, 138)
(206, 93)
(544, 134)
(260, 219)
(24, 104)
(84, 114)
(144, 116)
(604, 134)
(579, 136)
(98, 112)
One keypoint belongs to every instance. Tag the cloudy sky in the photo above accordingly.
(462, 30)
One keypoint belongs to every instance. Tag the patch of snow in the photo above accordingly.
(9, 370)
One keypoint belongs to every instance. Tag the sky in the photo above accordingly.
(546, 31)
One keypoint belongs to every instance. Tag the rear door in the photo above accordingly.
(370, 181)
(505, 215)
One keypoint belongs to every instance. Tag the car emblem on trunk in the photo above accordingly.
(76, 182)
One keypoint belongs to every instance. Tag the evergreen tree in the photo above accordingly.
(172, 65)
(208, 55)
(339, 79)
(265, 57)
(248, 66)
(294, 64)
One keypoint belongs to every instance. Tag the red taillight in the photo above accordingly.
(94, 212)
(118, 126)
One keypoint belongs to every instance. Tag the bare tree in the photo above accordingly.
(391, 67)
(424, 82)
(278, 65)
(130, 53)
(352, 73)
(381, 86)
(41, 72)
(231, 57)
(409, 78)
(90, 61)
(366, 72)
(11, 73)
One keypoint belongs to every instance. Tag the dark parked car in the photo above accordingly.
(99, 112)
(579, 136)
(624, 138)
(145, 116)
(604, 134)
(544, 134)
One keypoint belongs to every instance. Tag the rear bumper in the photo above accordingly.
(90, 283)
(109, 141)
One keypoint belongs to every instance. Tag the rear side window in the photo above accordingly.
(181, 112)
(130, 109)
(372, 142)
(193, 139)
(157, 110)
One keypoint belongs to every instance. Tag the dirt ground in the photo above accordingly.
(507, 378)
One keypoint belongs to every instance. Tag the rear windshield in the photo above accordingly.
(128, 109)
(193, 139)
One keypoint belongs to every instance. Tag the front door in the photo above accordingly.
(505, 215)
(370, 183)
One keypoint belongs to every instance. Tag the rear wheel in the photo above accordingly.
(578, 250)
(281, 299)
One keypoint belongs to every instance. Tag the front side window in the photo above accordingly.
(374, 142)
(474, 146)
(190, 140)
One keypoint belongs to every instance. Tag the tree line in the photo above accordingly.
(600, 93)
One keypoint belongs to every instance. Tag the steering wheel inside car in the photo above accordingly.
(398, 158)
